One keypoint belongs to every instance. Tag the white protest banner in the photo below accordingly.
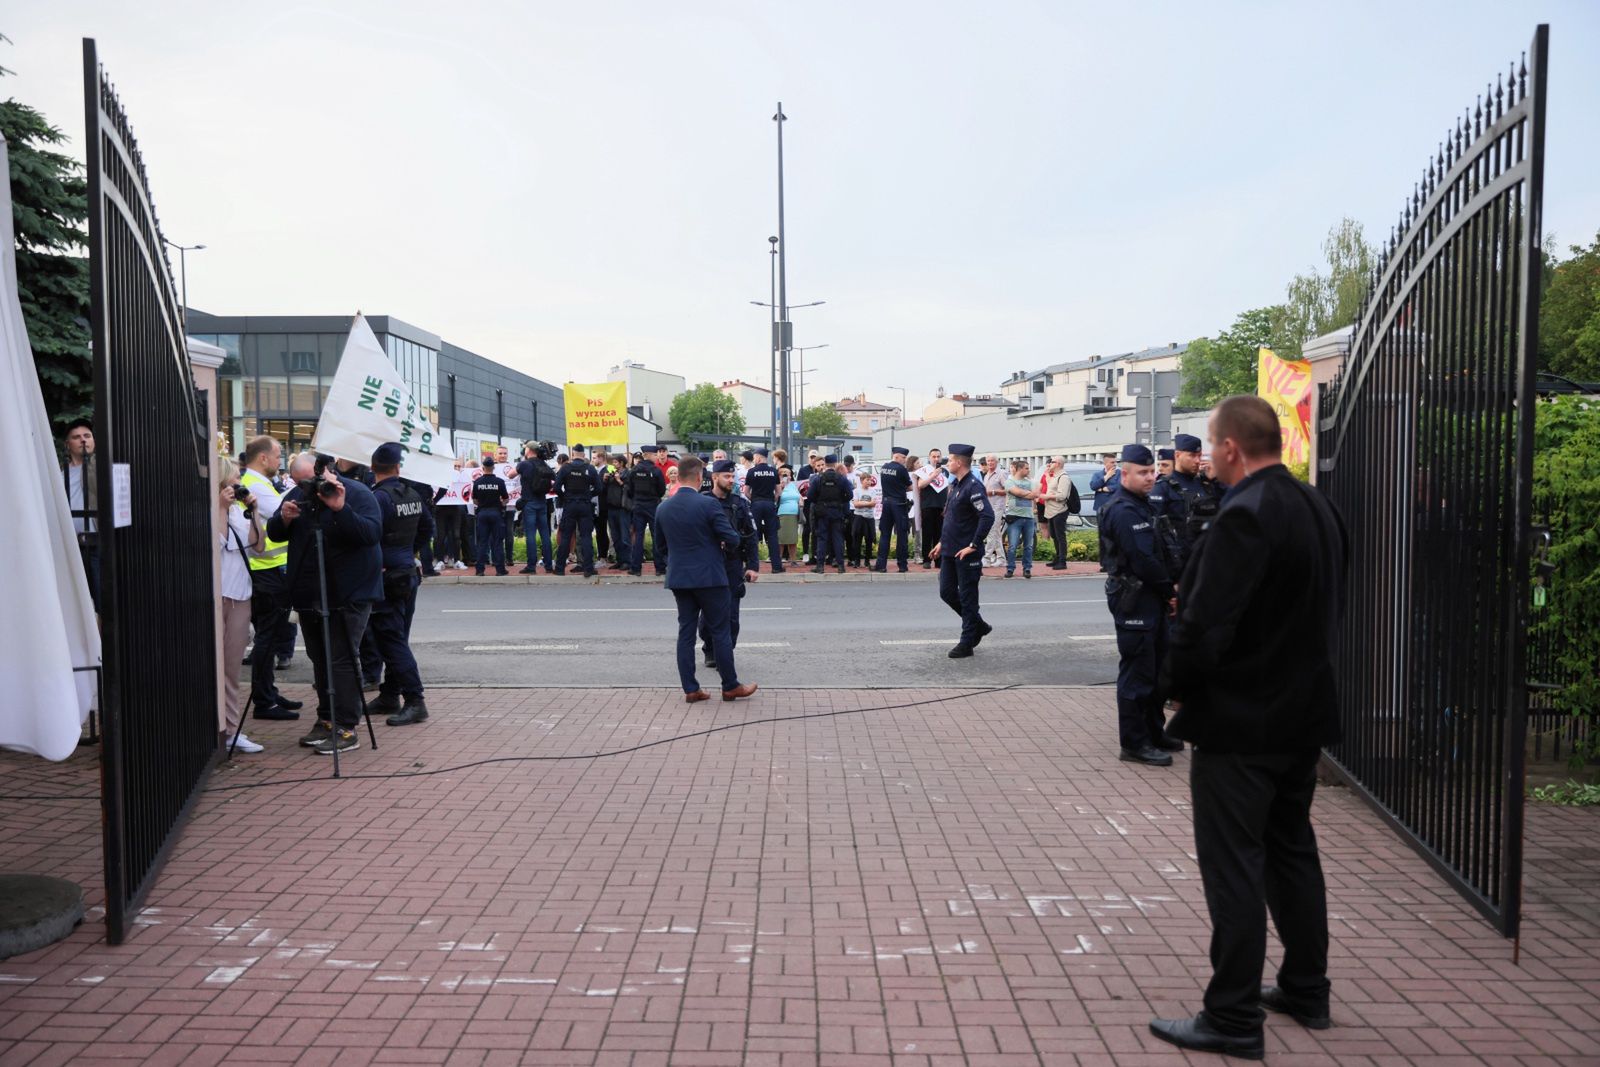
(369, 405)
(513, 483)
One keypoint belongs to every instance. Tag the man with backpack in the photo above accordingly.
(537, 478)
(830, 495)
(1060, 501)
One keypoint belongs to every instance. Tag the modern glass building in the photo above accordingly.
(278, 370)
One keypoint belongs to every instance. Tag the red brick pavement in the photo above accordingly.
(974, 881)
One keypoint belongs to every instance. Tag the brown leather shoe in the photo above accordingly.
(743, 691)
(696, 696)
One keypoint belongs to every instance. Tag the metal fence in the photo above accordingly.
(1427, 447)
(156, 603)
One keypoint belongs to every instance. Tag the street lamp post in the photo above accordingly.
(801, 377)
(772, 359)
(902, 391)
(183, 275)
(783, 331)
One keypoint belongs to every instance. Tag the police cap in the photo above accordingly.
(1185, 442)
(1163, 453)
(961, 450)
(900, 450)
(722, 466)
(1138, 454)
(758, 451)
(830, 458)
(387, 455)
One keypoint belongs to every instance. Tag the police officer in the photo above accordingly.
(577, 485)
(490, 495)
(1163, 463)
(761, 487)
(894, 482)
(968, 517)
(742, 560)
(646, 486)
(407, 526)
(1139, 589)
(1186, 498)
(830, 495)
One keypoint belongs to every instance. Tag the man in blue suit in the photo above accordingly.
(694, 529)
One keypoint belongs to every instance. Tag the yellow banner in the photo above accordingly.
(597, 414)
(1286, 385)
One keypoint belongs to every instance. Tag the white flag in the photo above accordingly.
(369, 405)
(47, 623)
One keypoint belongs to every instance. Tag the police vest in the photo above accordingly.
(763, 482)
(576, 484)
(486, 493)
(272, 554)
(831, 490)
(645, 488)
(401, 530)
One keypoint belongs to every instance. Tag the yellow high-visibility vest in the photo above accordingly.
(272, 554)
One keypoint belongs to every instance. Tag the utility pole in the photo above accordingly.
(784, 337)
(772, 360)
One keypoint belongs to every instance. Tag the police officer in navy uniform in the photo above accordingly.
(761, 486)
(894, 482)
(1187, 498)
(696, 528)
(743, 560)
(577, 485)
(1139, 590)
(646, 486)
(968, 517)
(490, 495)
(407, 527)
(830, 494)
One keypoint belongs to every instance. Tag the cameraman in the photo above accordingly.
(347, 514)
(269, 600)
(407, 528)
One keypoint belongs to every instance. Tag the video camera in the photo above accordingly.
(314, 487)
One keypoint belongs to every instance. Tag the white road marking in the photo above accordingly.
(1091, 637)
(763, 644)
(1028, 603)
(571, 611)
(934, 641)
(519, 648)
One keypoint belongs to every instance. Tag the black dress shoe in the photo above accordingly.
(384, 702)
(1308, 1016)
(273, 712)
(249, 659)
(960, 652)
(1198, 1034)
(1148, 754)
(283, 663)
(1167, 743)
(817, 569)
(527, 570)
(292, 705)
(711, 661)
(414, 712)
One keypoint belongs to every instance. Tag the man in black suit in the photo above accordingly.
(692, 529)
(1251, 665)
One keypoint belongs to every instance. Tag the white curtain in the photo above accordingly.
(47, 621)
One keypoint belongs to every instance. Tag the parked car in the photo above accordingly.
(1080, 473)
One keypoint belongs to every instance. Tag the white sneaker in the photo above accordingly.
(438, 568)
(247, 745)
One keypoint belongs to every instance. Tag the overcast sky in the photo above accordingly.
(972, 188)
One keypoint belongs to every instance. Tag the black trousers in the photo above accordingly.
(1258, 853)
(269, 615)
(896, 520)
(348, 624)
(932, 525)
(1058, 537)
(576, 521)
(602, 532)
(958, 587)
(858, 542)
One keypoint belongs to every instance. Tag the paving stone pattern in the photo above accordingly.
(975, 880)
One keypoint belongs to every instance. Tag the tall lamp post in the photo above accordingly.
(801, 378)
(783, 333)
(183, 275)
(901, 390)
(775, 346)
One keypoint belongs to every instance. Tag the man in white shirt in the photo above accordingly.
(238, 536)
(994, 487)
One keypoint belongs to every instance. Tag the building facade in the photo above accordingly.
(755, 404)
(1093, 384)
(277, 370)
(863, 417)
(651, 391)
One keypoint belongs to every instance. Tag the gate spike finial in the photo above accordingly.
(1477, 119)
(1522, 76)
(1499, 97)
(1511, 85)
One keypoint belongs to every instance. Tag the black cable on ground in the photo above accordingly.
(577, 756)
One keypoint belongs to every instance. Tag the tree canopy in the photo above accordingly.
(705, 412)
(1569, 316)
(821, 420)
(49, 208)
(1220, 366)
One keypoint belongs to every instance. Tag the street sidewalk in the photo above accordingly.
(798, 573)
(908, 877)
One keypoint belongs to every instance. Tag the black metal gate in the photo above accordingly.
(1427, 450)
(159, 715)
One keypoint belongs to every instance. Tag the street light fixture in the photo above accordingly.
(902, 391)
(802, 372)
(183, 274)
(813, 304)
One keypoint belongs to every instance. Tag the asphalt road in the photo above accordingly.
(843, 634)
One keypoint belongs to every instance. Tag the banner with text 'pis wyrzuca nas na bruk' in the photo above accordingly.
(369, 404)
(597, 414)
